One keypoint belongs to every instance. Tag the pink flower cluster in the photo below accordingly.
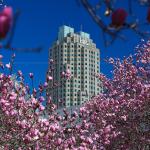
(66, 74)
(114, 120)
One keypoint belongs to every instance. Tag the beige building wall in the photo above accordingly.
(77, 52)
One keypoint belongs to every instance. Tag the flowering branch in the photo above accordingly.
(118, 19)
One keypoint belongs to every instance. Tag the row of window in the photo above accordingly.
(75, 56)
(75, 85)
(75, 97)
(74, 60)
(65, 46)
(70, 48)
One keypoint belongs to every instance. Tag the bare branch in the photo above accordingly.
(98, 20)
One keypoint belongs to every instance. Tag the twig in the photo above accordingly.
(12, 31)
(38, 49)
(98, 20)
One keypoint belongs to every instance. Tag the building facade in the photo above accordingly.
(78, 53)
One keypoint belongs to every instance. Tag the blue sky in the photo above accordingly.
(38, 26)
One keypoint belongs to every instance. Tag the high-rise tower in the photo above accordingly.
(78, 53)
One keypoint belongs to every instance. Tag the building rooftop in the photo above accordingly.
(65, 30)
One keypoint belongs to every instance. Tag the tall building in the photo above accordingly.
(78, 53)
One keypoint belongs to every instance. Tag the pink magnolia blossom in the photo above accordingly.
(31, 75)
(45, 84)
(6, 18)
(49, 78)
(51, 60)
(8, 66)
(118, 17)
(148, 15)
(19, 73)
(1, 56)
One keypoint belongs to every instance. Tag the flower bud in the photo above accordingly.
(49, 78)
(31, 75)
(8, 66)
(148, 15)
(118, 17)
(6, 18)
